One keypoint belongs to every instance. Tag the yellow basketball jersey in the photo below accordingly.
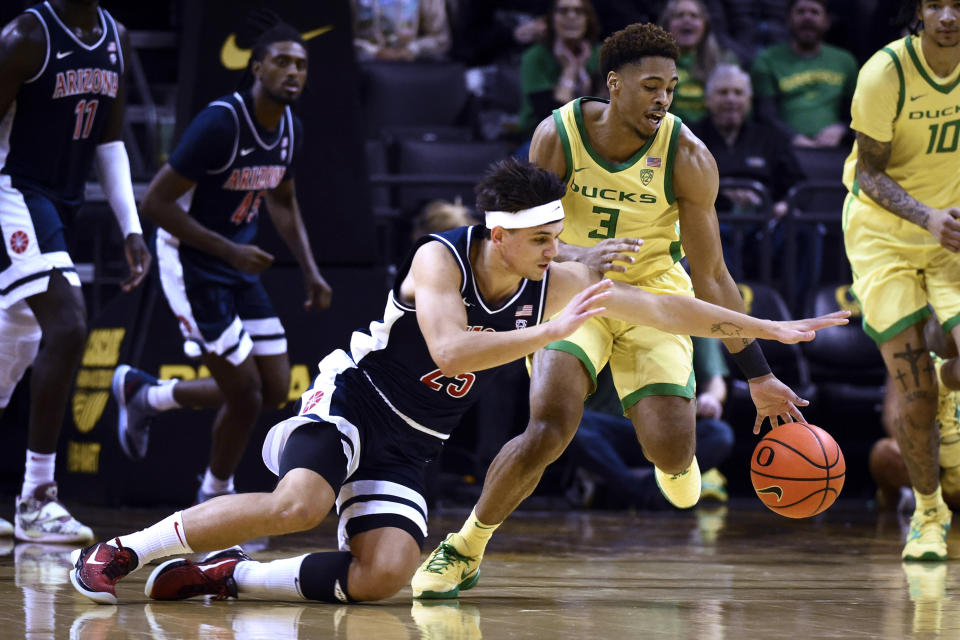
(900, 100)
(631, 199)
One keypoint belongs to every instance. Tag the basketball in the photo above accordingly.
(797, 470)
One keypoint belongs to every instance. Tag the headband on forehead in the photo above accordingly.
(525, 218)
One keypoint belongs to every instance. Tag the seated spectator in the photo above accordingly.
(689, 22)
(494, 31)
(886, 462)
(605, 445)
(753, 150)
(441, 215)
(400, 29)
(751, 25)
(562, 67)
(804, 86)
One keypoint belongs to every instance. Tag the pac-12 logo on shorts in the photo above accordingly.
(19, 241)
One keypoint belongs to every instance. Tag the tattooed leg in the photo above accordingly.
(914, 389)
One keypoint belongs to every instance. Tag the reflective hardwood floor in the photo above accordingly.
(730, 572)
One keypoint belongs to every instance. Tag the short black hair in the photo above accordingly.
(514, 184)
(635, 42)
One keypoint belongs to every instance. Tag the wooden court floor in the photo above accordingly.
(719, 573)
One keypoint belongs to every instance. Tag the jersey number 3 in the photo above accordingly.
(461, 387)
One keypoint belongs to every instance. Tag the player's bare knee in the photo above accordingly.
(67, 337)
(383, 577)
(669, 453)
(296, 512)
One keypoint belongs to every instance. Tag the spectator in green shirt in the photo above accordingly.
(804, 86)
(562, 67)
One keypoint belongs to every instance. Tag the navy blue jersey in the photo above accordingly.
(234, 162)
(60, 113)
(395, 357)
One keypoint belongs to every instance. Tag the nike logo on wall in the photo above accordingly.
(912, 98)
(63, 54)
(234, 58)
(246, 152)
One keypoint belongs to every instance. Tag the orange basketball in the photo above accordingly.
(797, 470)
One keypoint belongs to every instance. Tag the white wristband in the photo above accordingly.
(113, 168)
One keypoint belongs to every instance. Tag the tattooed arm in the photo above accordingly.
(872, 159)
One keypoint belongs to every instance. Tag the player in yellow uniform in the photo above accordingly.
(902, 236)
(633, 172)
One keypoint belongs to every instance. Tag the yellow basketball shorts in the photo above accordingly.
(644, 361)
(898, 268)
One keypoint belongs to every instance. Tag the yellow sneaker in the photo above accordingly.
(446, 572)
(713, 486)
(927, 539)
(682, 489)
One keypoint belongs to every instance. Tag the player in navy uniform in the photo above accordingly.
(61, 113)
(237, 155)
(466, 302)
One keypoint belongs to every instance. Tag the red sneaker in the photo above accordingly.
(99, 567)
(181, 579)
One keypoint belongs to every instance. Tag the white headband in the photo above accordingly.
(525, 218)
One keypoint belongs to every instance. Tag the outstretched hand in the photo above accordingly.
(608, 255)
(581, 308)
(774, 400)
(138, 260)
(790, 331)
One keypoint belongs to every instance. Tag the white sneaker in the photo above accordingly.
(6, 529)
(41, 518)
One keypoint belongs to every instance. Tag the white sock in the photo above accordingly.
(160, 396)
(277, 580)
(39, 470)
(166, 538)
(213, 484)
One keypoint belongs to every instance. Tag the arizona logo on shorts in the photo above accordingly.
(19, 241)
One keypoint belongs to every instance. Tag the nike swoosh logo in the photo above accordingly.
(234, 58)
(176, 530)
(63, 54)
(580, 169)
(777, 491)
(245, 152)
(912, 98)
(213, 566)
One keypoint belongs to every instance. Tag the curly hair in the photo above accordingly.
(513, 184)
(634, 43)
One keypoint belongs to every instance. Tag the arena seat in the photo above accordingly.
(412, 93)
(463, 162)
(822, 164)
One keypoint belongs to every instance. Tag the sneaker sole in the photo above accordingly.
(117, 388)
(97, 596)
(466, 585)
(148, 587)
(926, 556)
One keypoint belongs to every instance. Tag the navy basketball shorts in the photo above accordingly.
(231, 321)
(34, 244)
(372, 459)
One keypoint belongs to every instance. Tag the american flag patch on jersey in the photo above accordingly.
(525, 310)
(653, 162)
